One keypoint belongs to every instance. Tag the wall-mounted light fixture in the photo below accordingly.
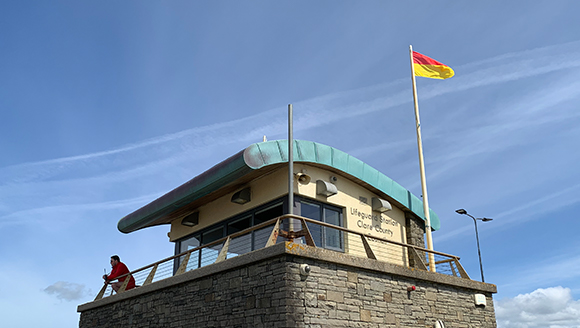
(302, 178)
(381, 205)
(325, 188)
(191, 220)
(241, 197)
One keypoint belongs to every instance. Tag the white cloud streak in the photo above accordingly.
(525, 212)
(335, 107)
(134, 162)
(35, 216)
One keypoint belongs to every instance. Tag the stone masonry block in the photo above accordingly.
(431, 296)
(206, 283)
(335, 296)
(387, 297)
(365, 315)
(352, 276)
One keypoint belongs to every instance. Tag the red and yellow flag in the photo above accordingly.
(429, 67)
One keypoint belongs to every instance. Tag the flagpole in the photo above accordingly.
(422, 168)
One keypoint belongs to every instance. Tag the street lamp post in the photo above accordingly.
(464, 212)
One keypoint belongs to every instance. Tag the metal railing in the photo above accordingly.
(284, 228)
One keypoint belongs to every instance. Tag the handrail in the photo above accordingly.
(451, 260)
(324, 224)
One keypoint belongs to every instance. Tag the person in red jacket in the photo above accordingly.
(119, 269)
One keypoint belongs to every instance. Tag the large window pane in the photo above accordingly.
(332, 237)
(261, 236)
(312, 211)
(210, 254)
(241, 244)
(187, 244)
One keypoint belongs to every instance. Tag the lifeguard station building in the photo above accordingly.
(352, 254)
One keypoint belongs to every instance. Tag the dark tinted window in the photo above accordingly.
(323, 236)
(209, 255)
(260, 236)
(242, 244)
(239, 245)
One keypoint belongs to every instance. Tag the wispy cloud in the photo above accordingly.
(512, 67)
(67, 291)
(524, 212)
(37, 215)
(339, 106)
(58, 177)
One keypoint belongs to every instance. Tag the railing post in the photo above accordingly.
(460, 268)
(125, 283)
(151, 275)
(418, 260)
(452, 268)
(274, 234)
(183, 265)
(307, 234)
(102, 292)
(368, 249)
(224, 251)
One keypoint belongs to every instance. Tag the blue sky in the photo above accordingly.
(106, 105)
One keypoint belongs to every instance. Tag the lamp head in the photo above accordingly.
(461, 211)
(241, 197)
(486, 219)
(191, 220)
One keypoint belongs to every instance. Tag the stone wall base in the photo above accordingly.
(267, 290)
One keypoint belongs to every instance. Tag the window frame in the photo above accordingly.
(324, 231)
(224, 224)
(298, 200)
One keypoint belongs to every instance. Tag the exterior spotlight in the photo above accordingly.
(241, 197)
(411, 288)
(191, 220)
(326, 189)
(464, 212)
(381, 205)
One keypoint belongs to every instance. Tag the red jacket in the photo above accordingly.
(119, 270)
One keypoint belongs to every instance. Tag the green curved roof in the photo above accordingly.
(261, 157)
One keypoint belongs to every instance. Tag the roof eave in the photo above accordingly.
(263, 157)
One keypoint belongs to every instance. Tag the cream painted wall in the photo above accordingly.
(263, 190)
(358, 215)
(354, 199)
